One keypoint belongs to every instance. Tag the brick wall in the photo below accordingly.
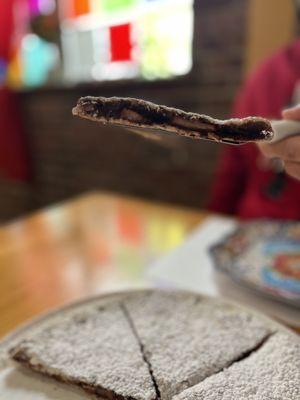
(219, 48)
(70, 156)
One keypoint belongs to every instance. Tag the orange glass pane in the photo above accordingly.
(81, 7)
(14, 71)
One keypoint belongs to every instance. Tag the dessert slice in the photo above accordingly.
(272, 372)
(95, 350)
(187, 339)
(143, 116)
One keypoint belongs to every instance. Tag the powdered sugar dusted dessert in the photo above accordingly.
(187, 340)
(96, 350)
(152, 345)
(143, 116)
(270, 373)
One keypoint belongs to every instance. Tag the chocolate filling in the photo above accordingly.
(139, 113)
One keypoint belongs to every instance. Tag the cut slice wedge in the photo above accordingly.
(95, 350)
(186, 339)
(272, 372)
(156, 122)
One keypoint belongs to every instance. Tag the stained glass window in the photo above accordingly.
(32, 57)
(104, 40)
(118, 5)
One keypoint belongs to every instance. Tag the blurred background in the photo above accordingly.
(183, 53)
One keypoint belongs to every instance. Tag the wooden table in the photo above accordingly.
(95, 243)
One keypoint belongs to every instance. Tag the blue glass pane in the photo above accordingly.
(3, 69)
(38, 57)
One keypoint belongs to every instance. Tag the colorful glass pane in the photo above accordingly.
(121, 47)
(3, 69)
(81, 7)
(165, 49)
(34, 7)
(116, 39)
(118, 5)
(96, 6)
(37, 58)
(47, 7)
(101, 45)
(65, 9)
(71, 9)
(14, 72)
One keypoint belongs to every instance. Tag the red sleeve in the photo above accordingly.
(264, 94)
(229, 181)
(14, 158)
(6, 28)
(231, 172)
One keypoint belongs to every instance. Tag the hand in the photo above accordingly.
(288, 150)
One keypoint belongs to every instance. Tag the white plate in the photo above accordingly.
(22, 385)
(16, 383)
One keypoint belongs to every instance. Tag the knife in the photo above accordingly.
(283, 129)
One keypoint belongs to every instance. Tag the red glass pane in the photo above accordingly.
(120, 42)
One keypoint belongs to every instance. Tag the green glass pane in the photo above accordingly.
(118, 5)
(166, 50)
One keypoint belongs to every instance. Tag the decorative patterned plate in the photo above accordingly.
(264, 256)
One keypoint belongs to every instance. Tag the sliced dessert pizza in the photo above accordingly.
(95, 350)
(187, 339)
(270, 373)
(146, 345)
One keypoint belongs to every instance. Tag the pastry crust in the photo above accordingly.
(151, 345)
(144, 116)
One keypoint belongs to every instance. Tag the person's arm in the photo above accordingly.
(231, 172)
(265, 94)
(288, 149)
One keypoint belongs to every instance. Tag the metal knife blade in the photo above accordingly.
(284, 128)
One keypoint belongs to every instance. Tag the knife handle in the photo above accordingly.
(284, 128)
